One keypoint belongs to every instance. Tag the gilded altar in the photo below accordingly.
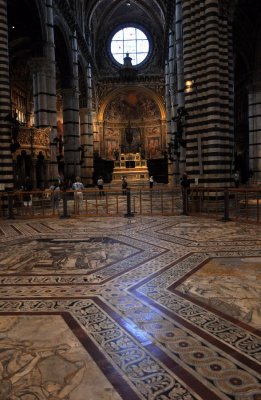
(132, 166)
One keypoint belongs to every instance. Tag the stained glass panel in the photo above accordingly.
(130, 40)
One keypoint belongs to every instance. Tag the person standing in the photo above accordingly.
(56, 196)
(100, 184)
(78, 187)
(27, 197)
(151, 182)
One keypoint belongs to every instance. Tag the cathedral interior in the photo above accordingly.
(154, 304)
(176, 82)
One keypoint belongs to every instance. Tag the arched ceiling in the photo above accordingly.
(102, 17)
(100, 12)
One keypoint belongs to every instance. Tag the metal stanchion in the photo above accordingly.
(128, 198)
(65, 208)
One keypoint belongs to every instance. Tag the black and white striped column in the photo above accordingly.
(6, 161)
(39, 68)
(71, 132)
(169, 129)
(51, 89)
(208, 66)
(71, 119)
(255, 131)
(86, 128)
(180, 84)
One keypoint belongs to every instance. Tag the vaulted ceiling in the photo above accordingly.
(103, 17)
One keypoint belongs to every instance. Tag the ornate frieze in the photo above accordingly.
(35, 139)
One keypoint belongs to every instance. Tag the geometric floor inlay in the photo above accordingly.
(143, 308)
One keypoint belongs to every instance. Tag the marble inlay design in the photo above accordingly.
(63, 256)
(28, 361)
(222, 283)
(143, 308)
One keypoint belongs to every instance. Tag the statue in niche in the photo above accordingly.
(59, 144)
(180, 120)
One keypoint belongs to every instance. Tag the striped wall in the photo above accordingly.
(6, 162)
(209, 103)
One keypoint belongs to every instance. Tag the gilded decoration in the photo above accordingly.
(35, 139)
(131, 106)
(34, 136)
(138, 114)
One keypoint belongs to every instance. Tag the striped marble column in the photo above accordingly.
(39, 68)
(86, 128)
(44, 96)
(71, 118)
(180, 77)
(97, 134)
(71, 132)
(255, 131)
(6, 161)
(208, 65)
(169, 122)
(51, 88)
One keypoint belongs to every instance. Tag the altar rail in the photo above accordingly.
(91, 202)
(241, 204)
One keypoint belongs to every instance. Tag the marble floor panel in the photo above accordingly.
(148, 308)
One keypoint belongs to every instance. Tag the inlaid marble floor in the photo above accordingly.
(151, 308)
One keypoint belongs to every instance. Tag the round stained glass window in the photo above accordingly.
(130, 40)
